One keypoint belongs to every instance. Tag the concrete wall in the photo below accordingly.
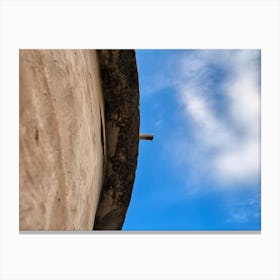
(61, 150)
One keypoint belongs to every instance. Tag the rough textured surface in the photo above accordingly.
(119, 77)
(79, 135)
(61, 153)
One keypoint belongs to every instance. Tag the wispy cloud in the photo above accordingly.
(241, 212)
(220, 93)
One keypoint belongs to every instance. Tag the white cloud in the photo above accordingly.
(226, 125)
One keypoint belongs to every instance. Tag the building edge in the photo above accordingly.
(120, 87)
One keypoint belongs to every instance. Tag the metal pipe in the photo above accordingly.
(146, 137)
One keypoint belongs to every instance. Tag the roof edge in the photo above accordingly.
(120, 87)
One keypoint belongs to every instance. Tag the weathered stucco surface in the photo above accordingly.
(61, 152)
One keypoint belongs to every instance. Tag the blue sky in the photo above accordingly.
(202, 170)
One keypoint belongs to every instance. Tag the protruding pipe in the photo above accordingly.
(146, 137)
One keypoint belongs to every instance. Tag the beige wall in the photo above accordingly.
(61, 152)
